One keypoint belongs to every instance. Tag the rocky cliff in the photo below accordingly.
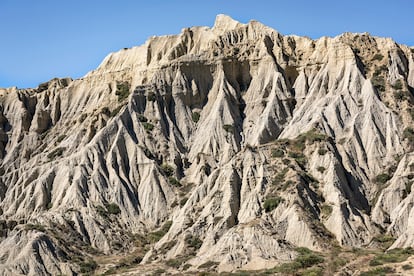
(221, 148)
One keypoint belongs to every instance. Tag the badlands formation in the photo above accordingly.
(223, 149)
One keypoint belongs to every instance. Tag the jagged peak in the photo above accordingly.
(224, 23)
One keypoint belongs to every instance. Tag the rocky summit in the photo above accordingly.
(231, 149)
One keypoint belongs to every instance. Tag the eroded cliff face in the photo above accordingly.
(226, 146)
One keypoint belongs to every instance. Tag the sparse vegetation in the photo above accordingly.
(115, 111)
(382, 178)
(148, 126)
(271, 203)
(142, 118)
(306, 259)
(174, 181)
(122, 91)
(408, 134)
(151, 97)
(278, 153)
(384, 241)
(88, 266)
(378, 57)
(194, 242)
(61, 138)
(228, 128)
(55, 153)
(379, 83)
(321, 169)
(326, 210)
(322, 151)
(157, 235)
(195, 116)
(396, 255)
(397, 85)
(108, 209)
(208, 265)
(380, 271)
(37, 227)
(168, 170)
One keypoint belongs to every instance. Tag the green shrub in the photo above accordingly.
(400, 95)
(208, 265)
(408, 134)
(61, 138)
(305, 259)
(113, 209)
(396, 255)
(397, 85)
(271, 203)
(379, 83)
(151, 97)
(148, 126)
(407, 267)
(55, 153)
(278, 153)
(115, 111)
(194, 242)
(378, 57)
(228, 128)
(173, 181)
(157, 235)
(167, 169)
(385, 241)
(37, 227)
(195, 116)
(380, 271)
(122, 91)
(321, 169)
(322, 151)
(280, 177)
(382, 178)
(88, 266)
(142, 118)
(326, 210)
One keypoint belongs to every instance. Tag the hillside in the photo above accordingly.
(218, 149)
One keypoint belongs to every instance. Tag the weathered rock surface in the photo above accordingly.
(226, 147)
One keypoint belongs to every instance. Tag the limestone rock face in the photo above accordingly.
(226, 146)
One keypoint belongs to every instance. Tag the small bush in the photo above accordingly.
(122, 91)
(157, 235)
(151, 97)
(115, 111)
(148, 126)
(55, 153)
(397, 85)
(174, 181)
(400, 95)
(397, 255)
(408, 134)
(183, 201)
(61, 138)
(167, 169)
(113, 209)
(36, 227)
(271, 203)
(322, 151)
(228, 128)
(195, 116)
(380, 271)
(321, 169)
(142, 118)
(379, 83)
(194, 242)
(407, 267)
(382, 178)
(88, 266)
(278, 153)
(208, 265)
(378, 57)
(326, 210)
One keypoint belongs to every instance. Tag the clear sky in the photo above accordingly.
(42, 39)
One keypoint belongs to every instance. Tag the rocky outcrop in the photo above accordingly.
(221, 147)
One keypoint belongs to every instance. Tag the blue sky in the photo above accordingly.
(43, 39)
